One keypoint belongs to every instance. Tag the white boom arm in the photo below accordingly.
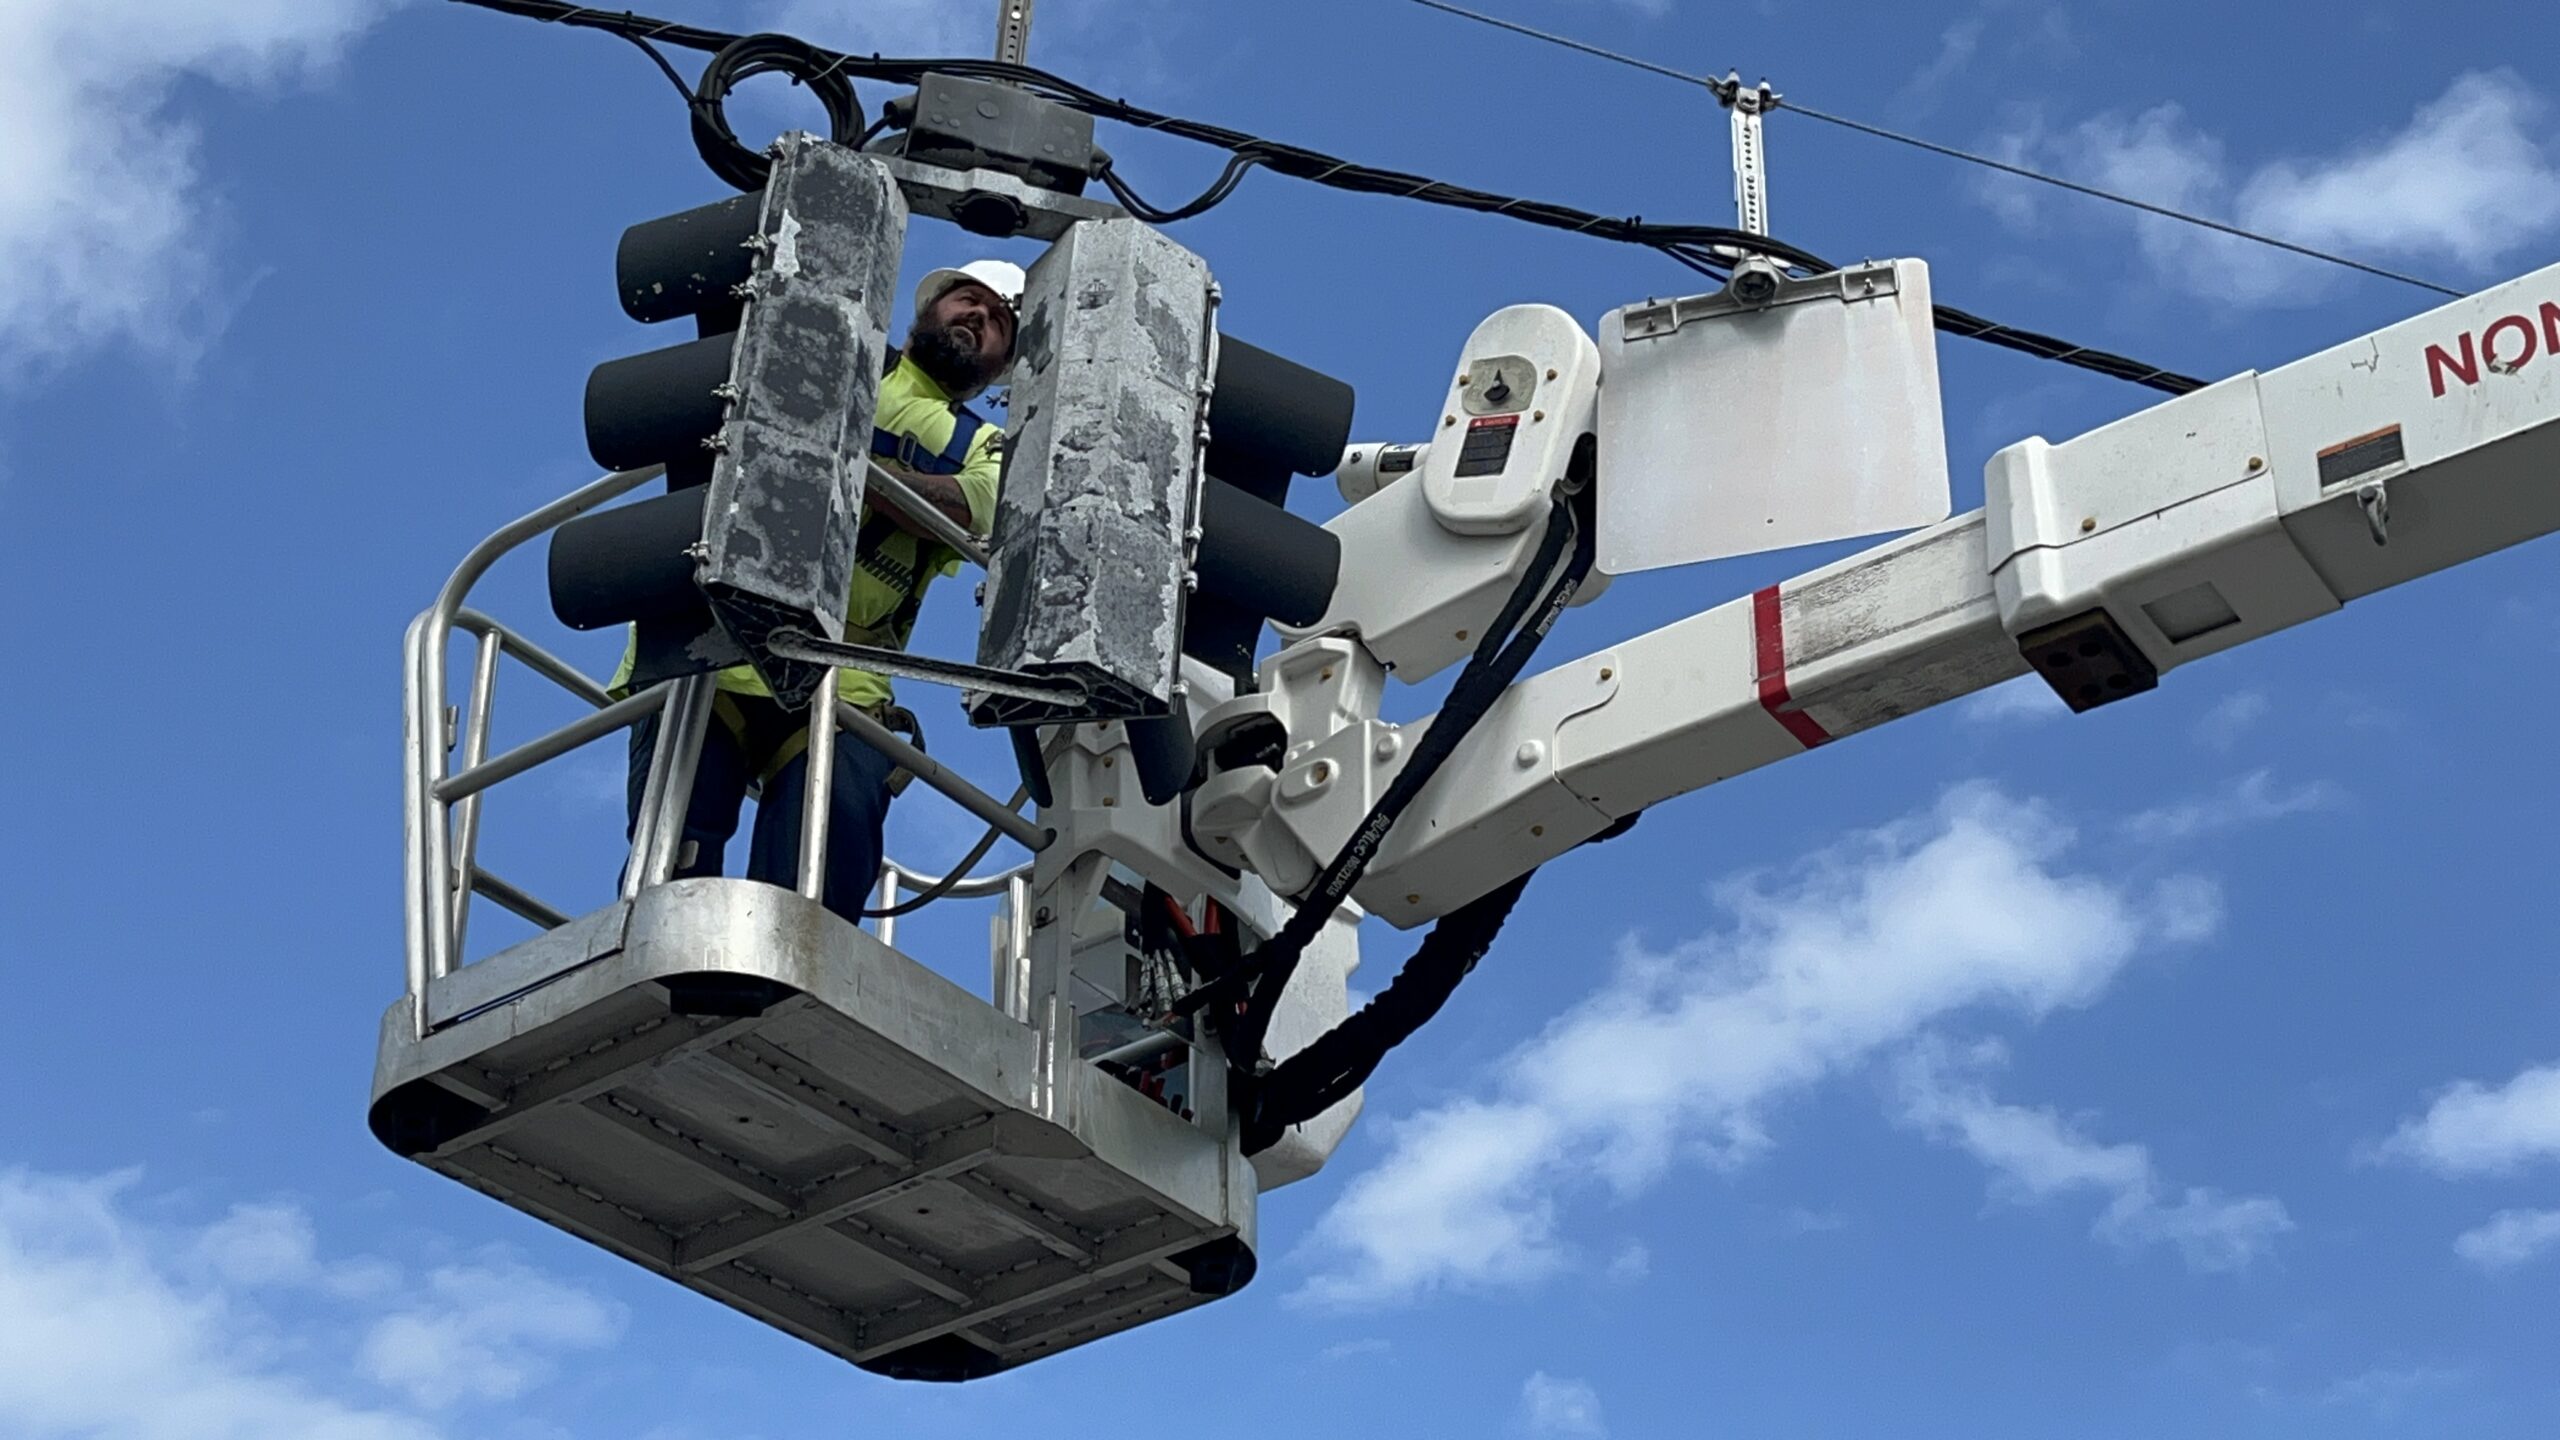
(2176, 533)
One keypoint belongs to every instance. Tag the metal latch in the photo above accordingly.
(2374, 498)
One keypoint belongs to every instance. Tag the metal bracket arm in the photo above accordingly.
(810, 650)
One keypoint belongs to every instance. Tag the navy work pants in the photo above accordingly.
(858, 809)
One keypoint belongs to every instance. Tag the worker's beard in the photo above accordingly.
(949, 354)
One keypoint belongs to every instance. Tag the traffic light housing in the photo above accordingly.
(1270, 419)
(763, 420)
(1085, 579)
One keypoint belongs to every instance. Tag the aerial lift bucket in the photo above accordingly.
(725, 1083)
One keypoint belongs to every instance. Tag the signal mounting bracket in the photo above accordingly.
(991, 202)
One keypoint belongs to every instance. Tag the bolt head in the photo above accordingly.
(2088, 524)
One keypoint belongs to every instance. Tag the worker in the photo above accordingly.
(961, 340)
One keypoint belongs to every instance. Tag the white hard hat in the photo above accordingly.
(1002, 276)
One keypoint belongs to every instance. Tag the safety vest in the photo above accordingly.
(918, 429)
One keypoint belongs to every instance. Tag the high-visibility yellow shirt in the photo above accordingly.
(917, 421)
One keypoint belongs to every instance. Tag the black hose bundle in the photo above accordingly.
(1338, 1062)
(1498, 660)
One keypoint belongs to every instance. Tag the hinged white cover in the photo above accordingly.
(1728, 431)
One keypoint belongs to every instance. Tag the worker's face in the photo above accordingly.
(973, 311)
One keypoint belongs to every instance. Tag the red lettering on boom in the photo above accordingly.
(2439, 363)
(2509, 364)
(2550, 328)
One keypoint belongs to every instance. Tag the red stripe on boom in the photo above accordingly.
(1771, 644)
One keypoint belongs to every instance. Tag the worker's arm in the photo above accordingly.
(943, 493)
(967, 499)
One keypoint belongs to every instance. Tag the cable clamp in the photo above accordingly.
(1856, 284)
(1757, 99)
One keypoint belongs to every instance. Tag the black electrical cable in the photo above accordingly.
(1693, 246)
(751, 55)
(958, 873)
(666, 67)
(1219, 189)
(1498, 660)
(1339, 1061)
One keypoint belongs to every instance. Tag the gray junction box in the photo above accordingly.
(1088, 572)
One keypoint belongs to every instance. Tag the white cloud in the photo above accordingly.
(1957, 45)
(2388, 1390)
(2254, 800)
(482, 1332)
(2467, 184)
(2474, 1130)
(122, 1329)
(1804, 1220)
(2231, 717)
(1549, 1406)
(2509, 1238)
(106, 223)
(1342, 1350)
(1633, 1262)
(2024, 700)
(1964, 907)
(260, 1245)
(2036, 1155)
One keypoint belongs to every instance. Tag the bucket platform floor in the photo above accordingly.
(729, 1085)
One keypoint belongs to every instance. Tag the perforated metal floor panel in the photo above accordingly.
(726, 1084)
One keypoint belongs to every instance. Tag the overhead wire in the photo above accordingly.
(1700, 248)
(1725, 91)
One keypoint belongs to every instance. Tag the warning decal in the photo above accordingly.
(1488, 445)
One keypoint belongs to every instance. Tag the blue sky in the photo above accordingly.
(2191, 1067)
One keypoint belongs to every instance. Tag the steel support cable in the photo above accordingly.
(1690, 245)
(1725, 90)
